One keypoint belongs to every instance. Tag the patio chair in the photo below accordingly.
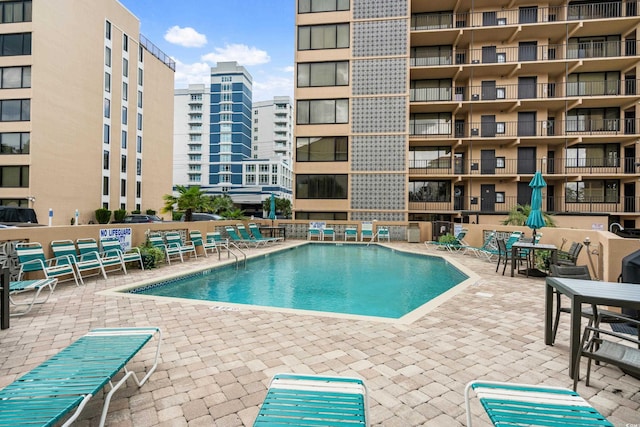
(215, 238)
(30, 286)
(569, 257)
(351, 233)
(86, 265)
(328, 233)
(366, 231)
(488, 249)
(31, 258)
(301, 400)
(157, 241)
(450, 243)
(509, 404)
(383, 234)
(614, 348)
(244, 234)
(315, 230)
(111, 245)
(89, 247)
(196, 238)
(255, 230)
(236, 239)
(59, 389)
(174, 241)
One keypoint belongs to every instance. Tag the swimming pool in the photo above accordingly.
(350, 279)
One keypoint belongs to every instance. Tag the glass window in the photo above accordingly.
(430, 124)
(312, 6)
(140, 76)
(107, 56)
(139, 167)
(123, 163)
(321, 186)
(105, 185)
(124, 115)
(139, 121)
(124, 139)
(15, 142)
(592, 191)
(105, 159)
(107, 82)
(319, 74)
(14, 110)
(15, 77)
(123, 187)
(430, 157)
(332, 36)
(15, 11)
(139, 99)
(107, 107)
(125, 43)
(14, 176)
(107, 32)
(139, 144)
(322, 149)
(430, 191)
(125, 67)
(323, 111)
(16, 44)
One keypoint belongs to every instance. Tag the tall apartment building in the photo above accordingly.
(86, 104)
(213, 139)
(425, 110)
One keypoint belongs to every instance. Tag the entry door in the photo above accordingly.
(528, 15)
(524, 193)
(630, 159)
(488, 197)
(488, 126)
(489, 18)
(527, 87)
(630, 122)
(526, 160)
(458, 197)
(527, 123)
(489, 90)
(551, 199)
(528, 51)
(488, 162)
(489, 55)
(630, 197)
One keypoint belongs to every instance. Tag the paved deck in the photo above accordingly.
(216, 363)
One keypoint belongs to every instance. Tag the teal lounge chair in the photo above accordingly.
(111, 245)
(174, 241)
(305, 400)
(314, 231)
(236, 239)
(111, 261)
(527, 405)
(383, 234)
(328, 233)
(366, 231)
(29, 286)
(457, 243)
(157, 241)
(351, 233)
(244, 234)
(489, 248)
(255, 230)
(196, 238)
(32, 260)
(85, 265)
(58, 390)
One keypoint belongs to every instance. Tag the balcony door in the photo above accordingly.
(527, 51)
(528, 15)
(526, 160)
(527, 87)
(630, 197)
(488, 197)
(524, 193)
(488, 126)
(489, 90)
(488, 162)
(527, 123)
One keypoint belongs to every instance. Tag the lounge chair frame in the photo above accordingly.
(255, 230)
(86, 265)
(89, 247)
(111, 245)
(32, 259)
(30, 286)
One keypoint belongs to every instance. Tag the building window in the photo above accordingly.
(107, 82)
(593, 119)
(123, 163)
(107, 108)
(140, 54)
(15, 143)
(124, 115)
(125, 91)
(105, 185)
(264, 179)
(139, 167)
(105, 159)
(125, 43)
(15, 11)
(138, 190)
(312, 6)
(15, 77)
(430, 191)
(139, 99)
(107, 56)
(323, 111)
(274, 179)
(15, 110)
(322, 149)
(431, 90)
(593, 155)
(123, 188)
(430, 157)
(318, 74)
(430, 124)
(140, 76)
(125, 67)
(14, 176)
(593, 191)
(264, 168)
(106, 133)
(321, 186)
(107, 32)
(500, 162)
(124, 139)
(331, 36)
(15, 44)
(138, 144)
(594, 84)
(250, 168)
(500, 197)
(225, 79)
(139, 121)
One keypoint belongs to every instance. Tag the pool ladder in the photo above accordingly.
(244, 256)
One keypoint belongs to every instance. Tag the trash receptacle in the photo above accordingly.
(413, 233)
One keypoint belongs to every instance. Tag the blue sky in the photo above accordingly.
(258, 34)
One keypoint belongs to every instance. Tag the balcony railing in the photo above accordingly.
(424, 57)
(495, 92)
(556, 204)
(155, 51)
(502, 167)
(524, 128)
(525, 15)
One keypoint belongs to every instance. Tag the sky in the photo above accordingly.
(197, 34)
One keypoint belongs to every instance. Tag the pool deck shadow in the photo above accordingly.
(216, 360)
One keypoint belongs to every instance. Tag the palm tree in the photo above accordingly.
(189, 200)
(519, 213)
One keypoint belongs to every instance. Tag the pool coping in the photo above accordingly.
(407, 319)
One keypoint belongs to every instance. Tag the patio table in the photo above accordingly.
(517, 246)
(580, 292)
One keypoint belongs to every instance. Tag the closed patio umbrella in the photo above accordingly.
(535, 220)
(272, 208)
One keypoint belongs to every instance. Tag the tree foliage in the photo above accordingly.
(189, 199)
(519, 213)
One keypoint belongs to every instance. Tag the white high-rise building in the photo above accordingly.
(273, 129)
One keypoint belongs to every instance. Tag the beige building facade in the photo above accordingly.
(424, 111)
(87, 110)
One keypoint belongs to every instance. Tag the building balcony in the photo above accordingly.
(499, 130)
(571, 168)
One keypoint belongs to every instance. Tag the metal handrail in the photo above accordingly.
(235, 256)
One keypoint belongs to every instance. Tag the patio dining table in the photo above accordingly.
(530, 246)
(580, 292)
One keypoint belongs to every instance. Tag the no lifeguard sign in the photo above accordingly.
(122, 234)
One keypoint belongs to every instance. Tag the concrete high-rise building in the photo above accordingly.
(273, 128)
(86, 110)
(425, 110)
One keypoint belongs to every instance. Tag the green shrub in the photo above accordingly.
(447, 238)
(151, 212)
(151, 256)
(176, 216)
(135, 211)
(119, 214)
(103, 216)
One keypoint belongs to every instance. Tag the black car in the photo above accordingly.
(202, 216)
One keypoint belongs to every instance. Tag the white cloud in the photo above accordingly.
(196, 73)
(187, 37)
(242, 54)
(268, 86)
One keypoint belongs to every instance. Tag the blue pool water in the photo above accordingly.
(352, 279)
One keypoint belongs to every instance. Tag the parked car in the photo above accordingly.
(202, 216)
(140, 218)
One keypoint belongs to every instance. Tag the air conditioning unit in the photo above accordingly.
(475, 61)
(475, 132)
(475, 97)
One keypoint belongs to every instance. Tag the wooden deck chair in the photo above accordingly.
(111, 245)
(157, 241)
(34, 287)
(175, 241)
(298, 400)
(32, 259)
(85, 265)
(111, 261)
(528, 405)
(59, 389)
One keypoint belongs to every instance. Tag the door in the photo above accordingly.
(524, 193)
(459, 164)
(489, 18)
(630, 159)
(459, 128)
(458, 197)
(488, 126)
(551, 199)
(489, 55)
(526, 160)
(527, 123)
(488, 198)
(527, 87)
(630, 122)
(630, 197)
(527, 51)
(488, 162)
(528, 15)
(551, 159)
(489, 90)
